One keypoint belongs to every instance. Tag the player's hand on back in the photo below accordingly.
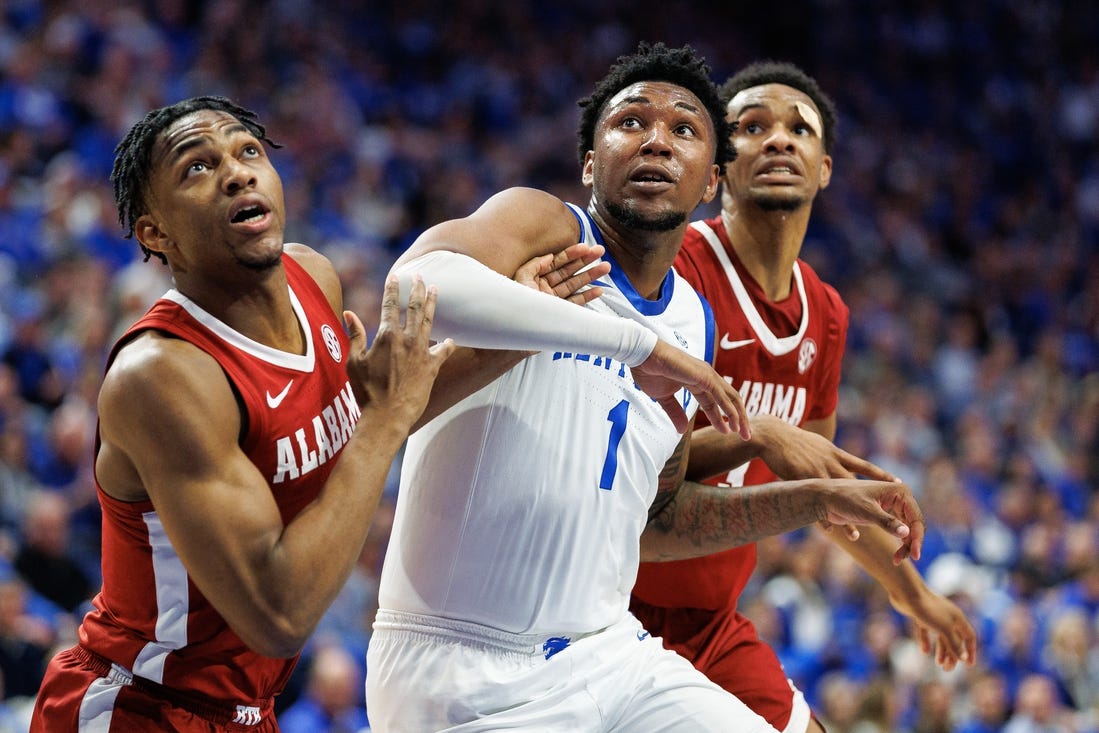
(669, 369)
(396, 373)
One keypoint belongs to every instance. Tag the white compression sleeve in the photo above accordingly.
(481, 308)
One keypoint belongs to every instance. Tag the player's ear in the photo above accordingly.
(148, 231)
(587, 175)
(825, 171)
(712, 185)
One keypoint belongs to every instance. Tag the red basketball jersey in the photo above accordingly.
(783, 357)
(299, 413)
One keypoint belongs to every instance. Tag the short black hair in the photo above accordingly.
(656, 62)
(759, 73)
(133, 156)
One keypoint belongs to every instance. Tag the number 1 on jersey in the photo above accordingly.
(617, 419)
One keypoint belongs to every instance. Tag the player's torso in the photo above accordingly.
(522, 506)
(299, 414)
(790, 373)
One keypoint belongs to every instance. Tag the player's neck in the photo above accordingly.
(767, 244)
(644, 257)
(259, 309)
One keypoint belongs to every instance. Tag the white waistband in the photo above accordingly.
(466, 632)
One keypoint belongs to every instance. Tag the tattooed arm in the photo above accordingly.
(689, 519)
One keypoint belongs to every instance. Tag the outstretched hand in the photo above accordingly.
(888, 504)
(568, 274)
(793, 453)
(940, 624)
(669, 369)
(398, 370)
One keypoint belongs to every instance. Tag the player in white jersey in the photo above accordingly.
(524, 509)
(543, 523)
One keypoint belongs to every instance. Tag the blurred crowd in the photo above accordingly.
(961, 227)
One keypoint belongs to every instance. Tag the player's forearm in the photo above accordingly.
(701, 519)
(316, 552)
(481, 308)
(714, 453)
(873, 551)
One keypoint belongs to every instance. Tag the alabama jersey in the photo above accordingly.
(784, 358)
(299, 412)
(521, 507)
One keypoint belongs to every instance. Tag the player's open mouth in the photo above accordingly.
(651, 175)
(249, 215)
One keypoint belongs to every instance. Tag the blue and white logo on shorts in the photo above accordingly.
(554, 644)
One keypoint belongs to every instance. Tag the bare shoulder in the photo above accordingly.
(505, 231)
(165, 407)
(312, 261)
(156, 378)
(525, 200)
(321, 269)
(531, 210)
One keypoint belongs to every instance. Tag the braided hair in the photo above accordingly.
(657, 62)
(130, 174)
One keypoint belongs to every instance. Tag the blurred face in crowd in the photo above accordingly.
(215, 200)
(653, 161)
(988, 695)
(778, 135)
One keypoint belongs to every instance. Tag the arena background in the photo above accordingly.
(961, 227)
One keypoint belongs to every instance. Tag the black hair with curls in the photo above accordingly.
(782, 72)
(657, 62)
(130, 174)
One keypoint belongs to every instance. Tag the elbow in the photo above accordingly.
(276, 637)
(285, 648)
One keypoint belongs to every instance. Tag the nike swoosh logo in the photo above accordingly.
(275, 401)
(727, 344)
(642, 635)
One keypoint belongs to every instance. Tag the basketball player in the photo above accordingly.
(781, 337)
(228, 523)
(523, 510)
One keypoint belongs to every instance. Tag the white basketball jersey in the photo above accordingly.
(521, 507)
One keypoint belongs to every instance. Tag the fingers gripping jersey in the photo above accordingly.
(794, 376)
(521, 507)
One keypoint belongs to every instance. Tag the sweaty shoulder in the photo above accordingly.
(537, 200)
(528, 212)
(505, 231)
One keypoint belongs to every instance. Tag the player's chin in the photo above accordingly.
(780, 199)
(261, 260)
